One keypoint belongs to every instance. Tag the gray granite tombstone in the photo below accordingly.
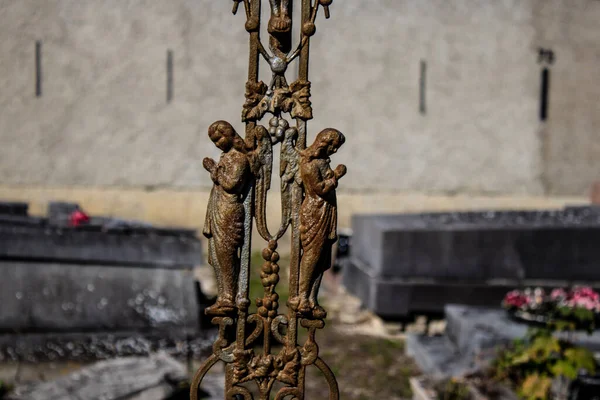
(408, 263)
(67, 287)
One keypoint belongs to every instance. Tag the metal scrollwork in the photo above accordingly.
(241, 183)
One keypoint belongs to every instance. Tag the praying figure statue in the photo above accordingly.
(224, 224)
(318, 219)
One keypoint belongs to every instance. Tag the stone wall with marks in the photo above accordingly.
(433, 97)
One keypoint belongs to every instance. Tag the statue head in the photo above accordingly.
(328, 141)
(222, 134)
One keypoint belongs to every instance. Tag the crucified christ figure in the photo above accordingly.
(280, 20)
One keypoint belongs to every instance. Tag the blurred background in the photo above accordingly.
(441, 102)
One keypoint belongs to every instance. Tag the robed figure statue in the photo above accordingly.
(318, 218)
(224, 224)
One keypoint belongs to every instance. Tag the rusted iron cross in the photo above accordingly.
(241, 181)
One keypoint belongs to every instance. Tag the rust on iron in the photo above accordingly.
(238, 200)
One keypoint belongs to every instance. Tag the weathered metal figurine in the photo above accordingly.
(242, 179)
(224, 225)
(318, 218)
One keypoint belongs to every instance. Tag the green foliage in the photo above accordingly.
(376, 347)
(572, 318)
(579, 358)
(453, 389)
(563, 325)
(531, 364)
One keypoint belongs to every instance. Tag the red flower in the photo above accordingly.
(515, 299)
(77, 218)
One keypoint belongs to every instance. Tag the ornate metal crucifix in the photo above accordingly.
(242, 178)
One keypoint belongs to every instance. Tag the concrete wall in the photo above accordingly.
(103, 121)
(571, 137)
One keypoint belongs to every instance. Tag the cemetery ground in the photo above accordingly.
(366, 354)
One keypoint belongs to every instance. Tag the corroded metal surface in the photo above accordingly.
(242, 179)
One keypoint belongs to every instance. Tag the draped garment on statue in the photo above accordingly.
(318, 213)
(224, 223)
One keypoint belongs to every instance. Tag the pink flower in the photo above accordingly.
(558, 294)
(582, 297)
(587, 302)
(585, 291)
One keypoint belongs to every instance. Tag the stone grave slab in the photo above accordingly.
(150, 378)
(472, 337)
(398, 297)
(479, 328)
(139, 247)
(14, 208)
(38, 297)
(437, 356)
(407, 263)
(89, 346)
(109, 287)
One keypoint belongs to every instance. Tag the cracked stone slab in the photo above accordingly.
(153, 378)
